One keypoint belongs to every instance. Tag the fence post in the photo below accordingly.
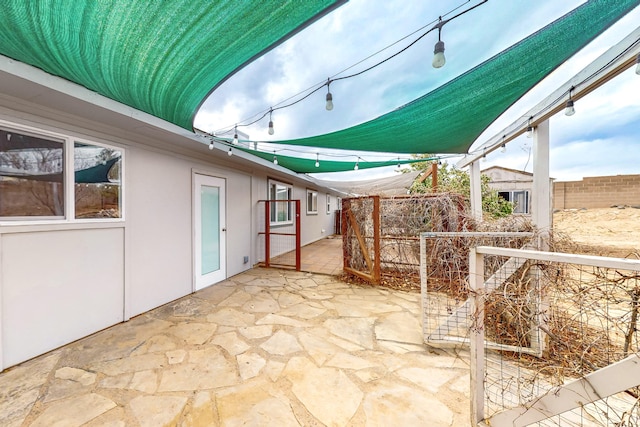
(376, 240)
(346, 205)
(476, 335)
(298, 250)
(267, 233)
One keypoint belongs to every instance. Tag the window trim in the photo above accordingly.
(68, 140)
(314, 195)
(291, 215)
(328, 204)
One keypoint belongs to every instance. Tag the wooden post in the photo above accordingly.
(476, 190)
(298, 232)
(476, 335)
(434, 177)
(376, 240)
(346, 205)
(267, 232)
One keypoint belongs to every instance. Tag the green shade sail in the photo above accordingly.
(450, 118)
(161, 57)
(302, 165)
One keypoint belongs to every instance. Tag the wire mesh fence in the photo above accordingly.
(380, 234)
(587, 308)
(445, 282)
(279, 233)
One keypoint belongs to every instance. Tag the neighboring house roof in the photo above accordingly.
(487, 171)
(391, 186)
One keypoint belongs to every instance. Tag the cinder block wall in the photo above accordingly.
(597, 192)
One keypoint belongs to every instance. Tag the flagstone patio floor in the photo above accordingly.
(267, 347)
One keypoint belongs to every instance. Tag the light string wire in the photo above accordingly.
(436, 24)
(572, 89)
(359, 157)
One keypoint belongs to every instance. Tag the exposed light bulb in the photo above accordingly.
(235, 136)
(438, 55)
(229, 153)
(317, 164)
(355, 168)
(317, 160)
(638, 64)
(211, 145)
(484, 157)
(275, 160)
(529, 132)
(569, 110)
(329, 105)
(398, 162)
(271, 131)
(503, 148)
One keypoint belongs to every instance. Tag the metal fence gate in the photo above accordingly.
(279, 233)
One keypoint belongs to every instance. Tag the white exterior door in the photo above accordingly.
(210, 230)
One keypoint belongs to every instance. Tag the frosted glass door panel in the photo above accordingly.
(209, 230)
(210, 214)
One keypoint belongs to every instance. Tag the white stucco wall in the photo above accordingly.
(61, 280)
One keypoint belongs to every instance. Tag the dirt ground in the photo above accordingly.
(605, 231)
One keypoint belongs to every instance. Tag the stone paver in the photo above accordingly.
(265, 348)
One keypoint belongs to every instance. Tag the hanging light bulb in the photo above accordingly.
(503, 148)
(275, 158)
(355, 168)
(438, 52)
(638, 64)
(530, 129)
(211, 145)
(317, 160)
(271, 131)
(398, 162)
(229, 153)
(569, 110)
(235, 135)
(329, 105)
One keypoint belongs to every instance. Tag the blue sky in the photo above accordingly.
(600, 139)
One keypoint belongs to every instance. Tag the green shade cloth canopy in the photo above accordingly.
(450, 118)
(302, 165)
(161, 57)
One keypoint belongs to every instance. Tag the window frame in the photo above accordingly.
(328, 204)
(68, 141)
(313, 209)
(273, 212)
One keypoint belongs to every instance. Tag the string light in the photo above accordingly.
(569, 109)
(235, 135)
(317, 160)
(229, 153)
(398, 162)
(438, 51)
(211, 145)
(503, 147)
(530, 129)
(638, 64)
(355, 168)
(275, 158)
(439, 61)
(329, 105)
(271, 131)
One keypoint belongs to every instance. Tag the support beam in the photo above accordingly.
(541, 197)
(476, 190)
